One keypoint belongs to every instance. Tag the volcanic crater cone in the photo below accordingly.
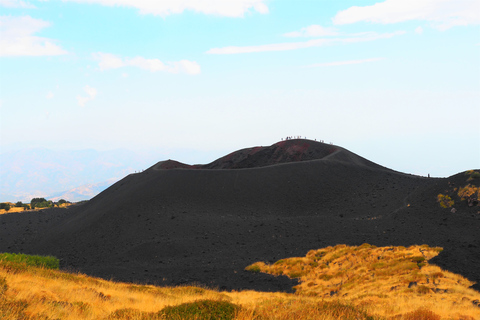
(176, 223)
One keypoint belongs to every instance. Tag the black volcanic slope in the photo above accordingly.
(176, 224)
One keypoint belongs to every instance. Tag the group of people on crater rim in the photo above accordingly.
(300, 137)
(293, 137)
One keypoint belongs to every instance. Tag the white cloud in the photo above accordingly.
(419, 30)
(313, 31)
(49, 95)
(91, 94)
(111, 61)
(108, 61)
(16, 4)
(370, 36)
(152, 65)
(18, 40)
(342, 63)
(229, 8)
(443, 14)
(186, 66)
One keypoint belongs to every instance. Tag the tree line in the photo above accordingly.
(34, 203)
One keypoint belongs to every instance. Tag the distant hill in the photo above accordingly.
(85, 192)
(47, 173)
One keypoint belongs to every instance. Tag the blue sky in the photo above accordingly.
(395, 81)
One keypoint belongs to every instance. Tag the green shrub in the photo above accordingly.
(5, 206)
(201, 310)
(40, 203)
(47, 262)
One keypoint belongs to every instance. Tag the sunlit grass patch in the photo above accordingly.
(373, 275)
(48, 262)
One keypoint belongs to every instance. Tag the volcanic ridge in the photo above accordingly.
(180, 224)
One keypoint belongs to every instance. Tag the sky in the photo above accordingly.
(395, 81)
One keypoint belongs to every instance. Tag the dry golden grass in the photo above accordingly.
(12, 209)
(363, 285)
(387, 281)
(63, 295)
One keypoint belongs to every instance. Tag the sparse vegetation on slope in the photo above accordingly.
(469, 193)
(445, 201)
(398, 277)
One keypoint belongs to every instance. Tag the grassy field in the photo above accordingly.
(339, 282)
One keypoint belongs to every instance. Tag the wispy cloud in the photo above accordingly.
(370, 36)
(342, 63)
(228, 8)
(18, 39)
(110, 61)
(443, 14)
(313, 31)
(91, 94)
(16, 4)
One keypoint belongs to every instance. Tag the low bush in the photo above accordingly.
(469, 193)
(421, 314)
(201, 310)
(445, 201)
(423, 289)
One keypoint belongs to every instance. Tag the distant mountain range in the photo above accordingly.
(85, 192)
(70, 175)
